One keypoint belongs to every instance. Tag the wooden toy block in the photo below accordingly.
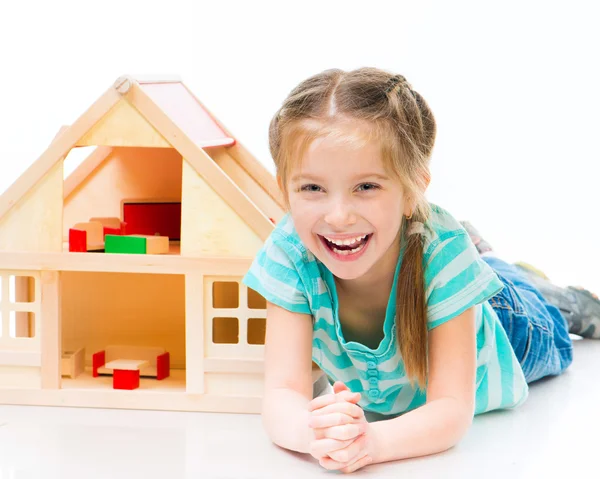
(155, 244)
(125, 244)
(163, 164)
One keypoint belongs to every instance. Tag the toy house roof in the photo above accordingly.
(157, 112)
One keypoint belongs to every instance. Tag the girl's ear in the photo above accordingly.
(426, 179)
(409, 206)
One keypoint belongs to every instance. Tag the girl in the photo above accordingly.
(386, 293)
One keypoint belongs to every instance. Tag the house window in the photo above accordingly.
(255, 300)
(226, 294)
(236, 318)
(19, 302)
(226, 330)
(257, 328)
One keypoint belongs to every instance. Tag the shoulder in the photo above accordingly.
(282, 270)
(284, 238)
(441, 226)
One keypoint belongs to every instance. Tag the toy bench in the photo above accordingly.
(86, 237)
(158, 360)
(111, 225)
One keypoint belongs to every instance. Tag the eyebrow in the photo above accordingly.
(309, 177)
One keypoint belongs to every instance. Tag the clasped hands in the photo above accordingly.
(342, 437)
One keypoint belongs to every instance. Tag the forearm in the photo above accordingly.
(432, 428)
(285, 418)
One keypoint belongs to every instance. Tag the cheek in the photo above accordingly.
(387, 219)
(304, 215)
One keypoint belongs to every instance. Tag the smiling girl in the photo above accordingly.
(385, 292)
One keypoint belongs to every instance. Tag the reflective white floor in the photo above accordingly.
(556, 432)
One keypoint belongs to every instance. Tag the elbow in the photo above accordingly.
(460, 421)
(453, 423)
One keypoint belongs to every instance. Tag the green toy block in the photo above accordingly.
(124, 244)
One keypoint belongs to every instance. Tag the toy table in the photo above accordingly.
(126, 372)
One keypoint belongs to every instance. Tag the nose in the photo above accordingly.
(340, 213)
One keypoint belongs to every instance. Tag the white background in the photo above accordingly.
(514, 86)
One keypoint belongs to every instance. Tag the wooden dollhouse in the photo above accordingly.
(120, 285)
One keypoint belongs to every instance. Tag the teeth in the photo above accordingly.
(346, 252)
(346, 242)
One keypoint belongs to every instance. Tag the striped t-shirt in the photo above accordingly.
(285, 273)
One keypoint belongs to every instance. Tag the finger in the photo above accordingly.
(328, 420)
(322, 401)
(349, 396)
(344, 407)
(328, 399)
(362, 462)
(346, 432)
(323, 447)
(339, 386)
(333, 465)
(351, 453)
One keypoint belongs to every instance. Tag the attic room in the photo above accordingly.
(155, 173)
(139, 188)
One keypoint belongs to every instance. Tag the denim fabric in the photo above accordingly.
(536, 330)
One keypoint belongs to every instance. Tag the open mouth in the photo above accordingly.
(347, 248)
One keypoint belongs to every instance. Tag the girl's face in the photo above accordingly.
(346, 208)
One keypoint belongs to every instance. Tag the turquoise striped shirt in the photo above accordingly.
(285, 273)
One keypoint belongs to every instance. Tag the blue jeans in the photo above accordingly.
(537, 330)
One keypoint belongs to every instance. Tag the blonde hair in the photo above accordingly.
(385, 108)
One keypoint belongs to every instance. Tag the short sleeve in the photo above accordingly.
(274, 274)
(456, 278)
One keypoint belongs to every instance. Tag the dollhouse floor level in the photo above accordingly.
(174, 383)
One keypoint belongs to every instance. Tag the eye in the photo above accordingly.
(311, 188)
(368, 187)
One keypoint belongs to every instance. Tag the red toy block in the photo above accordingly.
(98, 360)
(112, 231)
(126, 379)
(163, 366)
(77, 241)
(150, 219)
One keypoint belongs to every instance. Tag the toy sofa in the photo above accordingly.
(159, 360)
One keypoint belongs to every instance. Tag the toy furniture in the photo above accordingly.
(73, 363)
(126, 372)
(111, 225)
(159, 162)
(156, 360)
